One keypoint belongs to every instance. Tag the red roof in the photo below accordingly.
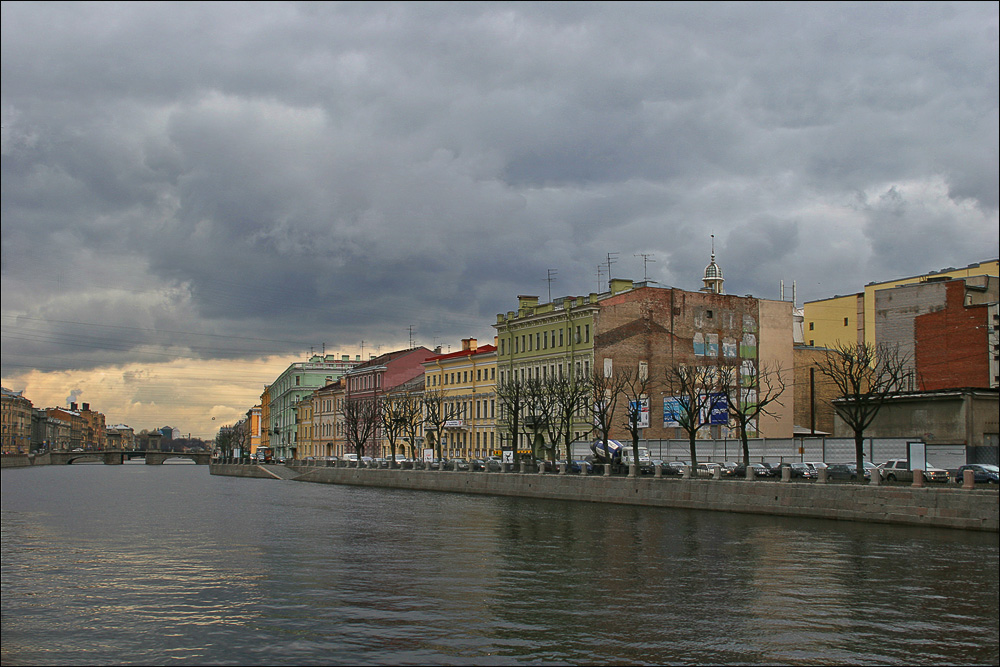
(482, 349)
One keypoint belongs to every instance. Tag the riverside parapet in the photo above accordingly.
(942, 507)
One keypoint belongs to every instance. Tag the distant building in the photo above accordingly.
(76, 422)
(15, 418)
(377, 377)
(466, 381)
(648, 329)
(942, 327)
(254, 428)
(296, 382)
(49, 433)
(851, 317)
(120, 437)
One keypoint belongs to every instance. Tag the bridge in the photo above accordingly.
(113, 457)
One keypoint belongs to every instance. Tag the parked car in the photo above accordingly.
(983, 473)
(846, 471)
(494, 464)
(895, 470)
(774, 468)
(477, 465)
(729, 469)
(675, 467)
(802, 471)
(759, 470)
(547, 466)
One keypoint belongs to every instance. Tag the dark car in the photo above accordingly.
(847, 471)
(982, 473)
(477, 465)
(675, 467)
(759, 470)
(494, 464)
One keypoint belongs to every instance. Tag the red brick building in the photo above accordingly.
(951, 345)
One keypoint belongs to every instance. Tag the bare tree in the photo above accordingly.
(361, 419)
(694, 395)
(749, 391)
(605, 389)
(437, 411)
(569, 397)
(411, 414)
(394, 409)
(512, 396)
(865, 375)
(636, 387)
(539, 408)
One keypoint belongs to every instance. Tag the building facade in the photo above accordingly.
(851, 318)
(648, 330)
(377, 377)
(15, 419)
(466, 382)
(296, 382)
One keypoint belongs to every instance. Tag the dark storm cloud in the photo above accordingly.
(295, 174)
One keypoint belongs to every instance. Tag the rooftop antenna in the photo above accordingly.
(411, 336)
(612, 258)
(645, 260)
(600, 270)
(550, 276)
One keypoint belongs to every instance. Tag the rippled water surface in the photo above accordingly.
(168, 565)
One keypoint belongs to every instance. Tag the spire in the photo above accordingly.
(713, 274)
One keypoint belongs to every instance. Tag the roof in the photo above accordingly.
(482, 349)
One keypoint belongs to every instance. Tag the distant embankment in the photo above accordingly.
(938, 506)
(22, 460)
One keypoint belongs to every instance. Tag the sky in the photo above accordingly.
(195, 195)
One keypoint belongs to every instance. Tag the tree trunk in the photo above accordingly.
(859, 452)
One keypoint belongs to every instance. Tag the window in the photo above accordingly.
(545, 340)
(538, 340)
(812, 326)
(560, 338)
(708, 314)
(586, 337)
(845, 321)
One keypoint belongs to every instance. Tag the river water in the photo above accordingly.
(155, 565)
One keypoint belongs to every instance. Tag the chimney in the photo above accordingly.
(469, 345)
(72, 406)
(86, 407)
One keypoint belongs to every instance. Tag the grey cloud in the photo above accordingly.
(339, 171)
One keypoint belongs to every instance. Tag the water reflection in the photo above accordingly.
(149, 565)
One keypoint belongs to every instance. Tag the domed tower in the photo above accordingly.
(713, 275)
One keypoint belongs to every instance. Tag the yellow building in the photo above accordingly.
(466, 380)
(304, 445)
(851, 318)
(253, 425)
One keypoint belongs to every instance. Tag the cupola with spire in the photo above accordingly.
(713, 275)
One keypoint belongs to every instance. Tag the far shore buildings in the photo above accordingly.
(15, 419)
(279, 402)
(647, 329)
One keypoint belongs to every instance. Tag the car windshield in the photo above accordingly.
(990, 468)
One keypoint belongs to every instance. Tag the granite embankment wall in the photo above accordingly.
(23, 460)
(938, 506)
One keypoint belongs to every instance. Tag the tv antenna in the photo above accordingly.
(550, 276)
(645, 260)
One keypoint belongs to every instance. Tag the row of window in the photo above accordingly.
(461, 377)
(541, 372)
(540, 340)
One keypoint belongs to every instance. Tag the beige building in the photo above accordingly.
(15, 437)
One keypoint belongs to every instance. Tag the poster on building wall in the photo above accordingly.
(699, 345)
(748, 348)
(715, 411)
(642, 406)
(729, 348)
(673, 410)
(712, 345)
